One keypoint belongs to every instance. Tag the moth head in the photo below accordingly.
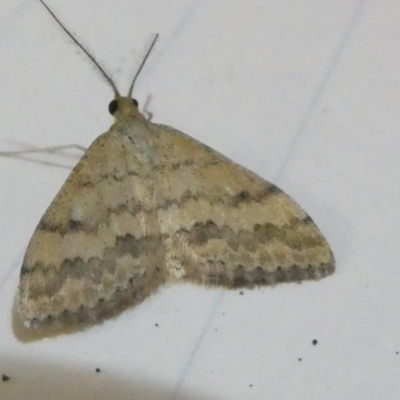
(122, 108)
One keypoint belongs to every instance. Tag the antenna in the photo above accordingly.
(92, 59)
(142, 64)
(99, 65)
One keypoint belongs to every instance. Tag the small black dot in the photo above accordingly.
(156, 324)
(299, 359)
(5, 378)
(314, 342)
(241, 292)
(135, 102)
(397, 352)
(98, 370)
(250, 385)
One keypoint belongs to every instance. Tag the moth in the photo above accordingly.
(146, 205)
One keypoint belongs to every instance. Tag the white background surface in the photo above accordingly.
(306, 94)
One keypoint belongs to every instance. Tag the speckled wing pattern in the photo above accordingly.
(224, 225)
(146, 205)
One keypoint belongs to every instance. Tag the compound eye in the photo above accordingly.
(113, 106)
(135, 102)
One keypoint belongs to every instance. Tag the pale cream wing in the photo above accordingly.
(222, 224)
(98, 247)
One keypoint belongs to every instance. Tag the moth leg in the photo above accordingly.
(145, 110)
(24, 154)
(48, 150)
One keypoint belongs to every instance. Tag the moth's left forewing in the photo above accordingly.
(98, 248)
(223, 224)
